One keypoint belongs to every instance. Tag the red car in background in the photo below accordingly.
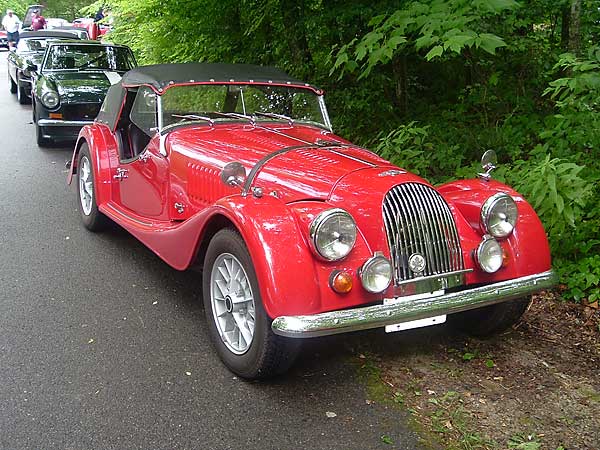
(3, 39)
(95, 30)
(235, 169)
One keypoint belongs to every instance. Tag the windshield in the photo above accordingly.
(95, 57)
(31, 45)
(217, 103)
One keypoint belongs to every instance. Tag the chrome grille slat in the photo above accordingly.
(444, 252)
(418, 220)
(433, 236)
(402, 232)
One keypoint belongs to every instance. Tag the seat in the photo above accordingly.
(69, 62)
(138, 139)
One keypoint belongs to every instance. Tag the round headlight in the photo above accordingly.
(499, 215)
(50, 99)
(376, 274)
(332, 234)
(489, 255)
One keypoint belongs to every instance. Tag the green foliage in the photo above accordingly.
(18, 6)
(555, 189)
(442, 27)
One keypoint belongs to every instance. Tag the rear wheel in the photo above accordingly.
(239, 326)
(490, 320)
(91, 216)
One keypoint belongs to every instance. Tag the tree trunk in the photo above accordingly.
(400, 71)
(575, 27)
(564, 30)
(292, 13)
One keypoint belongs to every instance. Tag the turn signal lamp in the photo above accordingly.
(340, 281)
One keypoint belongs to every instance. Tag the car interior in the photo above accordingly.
(134, 128)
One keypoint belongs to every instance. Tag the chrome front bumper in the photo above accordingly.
(63, 123)
(347, 320)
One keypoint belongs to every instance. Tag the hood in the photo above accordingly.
(81, 87)
(288, 160)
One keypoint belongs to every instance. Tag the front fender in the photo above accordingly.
(527, 247)
(94, 136)
(283, 263)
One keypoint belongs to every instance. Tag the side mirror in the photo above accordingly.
(233, 174)
(488, 163)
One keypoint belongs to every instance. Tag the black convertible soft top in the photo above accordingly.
(160, 76)
(47, 34)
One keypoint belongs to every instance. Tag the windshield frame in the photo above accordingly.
(236, 117)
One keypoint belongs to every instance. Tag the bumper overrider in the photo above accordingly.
(347, 320)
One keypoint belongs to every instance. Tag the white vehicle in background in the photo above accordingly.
(56, 22)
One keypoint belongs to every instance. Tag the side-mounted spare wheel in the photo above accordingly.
(239, 326)
(91, 217)
(490, 320)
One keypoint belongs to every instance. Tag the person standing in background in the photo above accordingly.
(11, 24)
(37, 21)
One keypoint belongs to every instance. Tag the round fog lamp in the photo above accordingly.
(376, 274)
(489, 255)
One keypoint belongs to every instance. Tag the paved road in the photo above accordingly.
(103, 346)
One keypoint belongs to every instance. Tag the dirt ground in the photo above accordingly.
(536, 386)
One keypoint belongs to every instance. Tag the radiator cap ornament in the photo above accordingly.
(416, 263)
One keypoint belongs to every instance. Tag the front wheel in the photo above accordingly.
(21, 93)
(239, 326)
(12, 86)
(91, 216)
(490, 320)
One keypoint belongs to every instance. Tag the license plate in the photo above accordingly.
(436, 320)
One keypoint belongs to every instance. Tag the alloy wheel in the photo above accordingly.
(232, 303)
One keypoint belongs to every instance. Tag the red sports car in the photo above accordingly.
(299, 233)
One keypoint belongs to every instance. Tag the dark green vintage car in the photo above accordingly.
(71, 83)
(29, 53)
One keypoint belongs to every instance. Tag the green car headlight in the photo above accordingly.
(50, 99)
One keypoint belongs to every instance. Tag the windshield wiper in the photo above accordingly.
(236, 116)
(275, 116)
(194, 117)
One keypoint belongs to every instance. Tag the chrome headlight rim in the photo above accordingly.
(50, 94)
(316, 226)
(485, 264)
(367, 269)
(488, 209)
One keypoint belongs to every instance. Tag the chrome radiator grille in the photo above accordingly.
(418, 221)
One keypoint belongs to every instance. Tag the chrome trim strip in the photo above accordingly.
(376, 316)
(324, 113)
(63, 123)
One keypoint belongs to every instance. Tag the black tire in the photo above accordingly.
(490, 320)
(21, 93)
(39, 137)
(11, 84)
(92, 218)
(267, 354)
